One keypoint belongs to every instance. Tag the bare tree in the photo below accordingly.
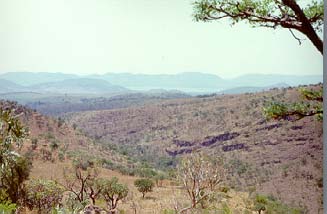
(200, 177)
(80, 181)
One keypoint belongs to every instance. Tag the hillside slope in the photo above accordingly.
(53, 140)
(282, 158)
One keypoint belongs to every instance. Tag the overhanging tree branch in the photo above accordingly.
(267, 13)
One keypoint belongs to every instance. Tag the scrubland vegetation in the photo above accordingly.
(218, 154)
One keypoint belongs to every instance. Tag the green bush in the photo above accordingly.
(43, 194)
(270, 205)
(144, 185)
(112, 191)
(7, 207)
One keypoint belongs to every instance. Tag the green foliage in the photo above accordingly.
(312, 105)
(71, 202)
(168, 211)
(43, 194)
(112, 191)
(226, 209)
(146, 172)
(271, 206)
(260, 203)
(7, 207)
(11, 132)
(14, 169)
(267, 13)
(144, 185)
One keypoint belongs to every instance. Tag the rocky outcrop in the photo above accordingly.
(233, 147)
(220, 138)
(269, 127)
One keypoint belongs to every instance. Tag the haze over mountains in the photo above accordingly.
(190, 82)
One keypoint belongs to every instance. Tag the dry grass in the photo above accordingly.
(162, 198)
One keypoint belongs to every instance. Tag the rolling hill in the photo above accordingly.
(58, 105)
(33, 78)
(78, 86)
(9, 86)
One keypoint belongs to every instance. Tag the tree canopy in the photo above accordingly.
(14, 169)
(267, 13)
(144, 185)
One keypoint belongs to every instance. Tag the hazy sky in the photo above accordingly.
(141, 36)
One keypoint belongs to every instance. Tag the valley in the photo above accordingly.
(142, 135)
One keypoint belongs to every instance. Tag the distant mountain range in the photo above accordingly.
(190, 82)
(67, 86)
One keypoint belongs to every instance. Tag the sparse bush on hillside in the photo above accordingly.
(43, 195)
(61, 155)
(46, 154)
(74, 126)
(112, 192)
(270, 205)
(144, 185)
(159, 179)
(34, 143)
(54, 145)
(146, 172)
(61, 122)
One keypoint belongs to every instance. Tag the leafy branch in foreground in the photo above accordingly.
(311, 105)
(14, 169)
(267, 13)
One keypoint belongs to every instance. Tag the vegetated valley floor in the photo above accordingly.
(281, 158)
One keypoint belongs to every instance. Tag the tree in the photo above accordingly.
(112, 192)
(43, 194)
(267, 13)
(144, 185)
(309, 106)
(14, 169)
(80, 179)
(12, 176)
(260, 204)
(200, 177)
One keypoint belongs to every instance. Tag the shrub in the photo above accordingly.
(144, 185)
(7, 207)
(34, 143)
(43, 194)
(112, 191)
(271, 206)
